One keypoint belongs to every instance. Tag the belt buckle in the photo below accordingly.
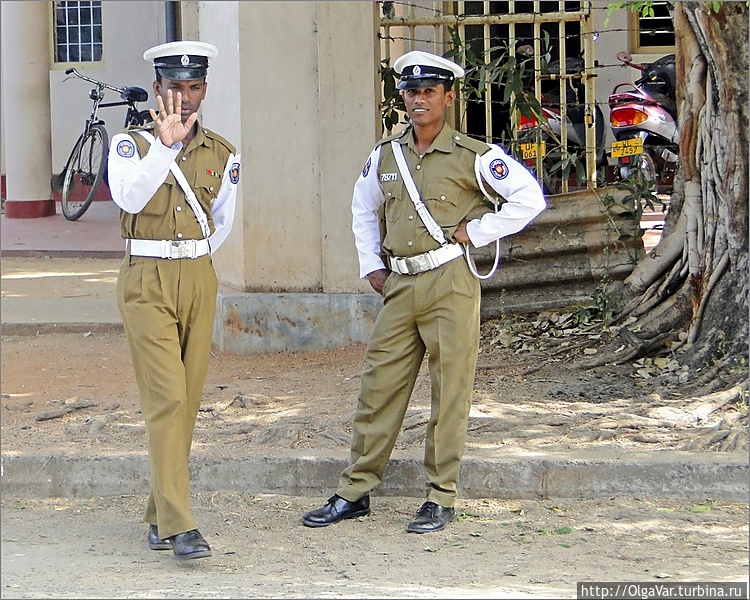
(399, 265)
(182, 249)
(418, 264)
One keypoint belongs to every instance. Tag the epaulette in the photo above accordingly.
(141, 142)
(216, 137)
(476, 146)
(395, 136)
(145, 127)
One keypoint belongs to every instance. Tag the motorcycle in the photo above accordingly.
(556, 165)
(643, 118)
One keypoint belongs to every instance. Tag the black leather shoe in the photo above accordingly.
(337, 509)
(190, 544)
(431, 517)
(155, 542)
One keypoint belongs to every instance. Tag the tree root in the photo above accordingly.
(709, 377)
(699, 408)
(645, 335)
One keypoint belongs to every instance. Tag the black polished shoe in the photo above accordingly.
(155, 542)
(431, 517)
(337, 509)
(190, 544)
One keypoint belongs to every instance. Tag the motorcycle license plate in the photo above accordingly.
(627, 147)
(533, 150)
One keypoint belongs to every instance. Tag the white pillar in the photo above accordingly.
(26, 109)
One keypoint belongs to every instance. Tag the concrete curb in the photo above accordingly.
(525, 476)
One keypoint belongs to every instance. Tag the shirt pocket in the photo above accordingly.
(394, 207)
(445, 208)
(206, 185)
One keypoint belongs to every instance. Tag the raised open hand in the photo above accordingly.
(169, 120)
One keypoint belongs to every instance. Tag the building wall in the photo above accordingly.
(303, 116)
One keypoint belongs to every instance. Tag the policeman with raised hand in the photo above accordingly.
(175, 183)
(428, 178)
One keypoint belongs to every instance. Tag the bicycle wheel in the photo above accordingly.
(84, 171)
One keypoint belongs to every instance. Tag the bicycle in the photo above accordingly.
(85, 168)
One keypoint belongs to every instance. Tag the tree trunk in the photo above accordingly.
(704, 250)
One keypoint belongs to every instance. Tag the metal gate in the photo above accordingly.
(492, 39)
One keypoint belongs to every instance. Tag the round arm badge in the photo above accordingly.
(499, 169)
(126, 149)
(234, 173)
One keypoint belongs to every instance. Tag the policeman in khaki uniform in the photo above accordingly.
(431, 294)
(175, 183)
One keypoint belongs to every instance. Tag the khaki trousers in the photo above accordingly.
(167, 309)
(435, 312)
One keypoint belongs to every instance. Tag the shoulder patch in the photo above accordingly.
(217, 138)
(366, 170)
(476, 146)
(125, 148)
(499, 169)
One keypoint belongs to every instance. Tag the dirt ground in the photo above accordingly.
(76, 393)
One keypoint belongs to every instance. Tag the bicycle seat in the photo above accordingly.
(134, 94)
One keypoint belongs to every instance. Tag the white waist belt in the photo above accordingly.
(411, 265)
(169, 248)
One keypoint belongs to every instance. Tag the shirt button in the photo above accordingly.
(442, 197)
(458, 137)
(410, 243)
(178, 209)
(389, 194)
(211, 189)
(179, 235)
(411, 217)
(419, 167)
(184, 158)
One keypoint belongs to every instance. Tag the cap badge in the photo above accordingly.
(416, 70)
(185, 60)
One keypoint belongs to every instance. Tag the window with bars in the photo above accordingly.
(653, 32)
(77, 31)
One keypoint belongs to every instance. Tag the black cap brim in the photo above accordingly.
(421, 82)
(183, 73)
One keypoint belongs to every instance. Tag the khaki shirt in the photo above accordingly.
(167, 215)
(446, 180)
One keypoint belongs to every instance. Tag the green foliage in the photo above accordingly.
(645, 7)
(604, 300)
(602, 307)
(498, 66)
(639, 197)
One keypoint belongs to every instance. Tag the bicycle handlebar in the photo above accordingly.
(73, 71)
